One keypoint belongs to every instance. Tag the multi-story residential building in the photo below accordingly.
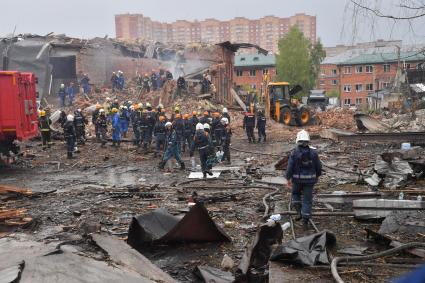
(250, 69)
(264, 32)
(356, 74)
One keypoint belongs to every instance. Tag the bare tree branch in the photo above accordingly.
(381, 15)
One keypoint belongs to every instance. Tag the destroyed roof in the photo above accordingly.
(378, 58)
(234, 47)
(353, 53)
(249, 60)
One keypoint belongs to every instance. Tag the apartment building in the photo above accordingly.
(264, 32)
(356, 75)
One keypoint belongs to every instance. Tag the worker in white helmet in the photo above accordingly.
(225, 114)
(304, 169)
(70, 136)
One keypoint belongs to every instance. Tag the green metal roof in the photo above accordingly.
(378, 58)
(250, 60)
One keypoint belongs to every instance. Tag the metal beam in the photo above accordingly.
(413, 137)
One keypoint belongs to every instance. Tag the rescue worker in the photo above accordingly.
(205, 119)
(139, 84)
(69, 133)
(160, 135)
(173, 147)
(121, 80)
(115, 104)
(44, 127)
(114, 82)
(154, 80)
(205, 85)
(181, 87)
(187, 132)
(304, 169)
(225, 114)
(226, 140)
(70, 92)
(176, 111)
(124, 120)
(149, 126)
(135, 118)
(178, 126)
(146, 84)
(261, 126)
(207, 129)
(62, 118)
(194, 119)
(85, 84)
(107, 106)
(94, 117)
(168, 75)
(80, 126)
(62, 95)
(116, 127)
(102, 126)
(202, 142)
(249, 125)
(217, 129)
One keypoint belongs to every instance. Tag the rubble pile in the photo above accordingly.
(413, 122)
(339, 118)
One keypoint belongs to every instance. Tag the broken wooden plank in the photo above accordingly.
(6, 189)
(238, 99)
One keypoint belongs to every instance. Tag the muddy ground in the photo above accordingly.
(91, 193)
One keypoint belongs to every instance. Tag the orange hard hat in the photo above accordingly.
(178, 116)
(163, 110)
(161, 118)
(206, 113)
(216, 114)
(194, 113)
(186, 116)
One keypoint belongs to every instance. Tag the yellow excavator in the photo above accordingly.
(281, 105)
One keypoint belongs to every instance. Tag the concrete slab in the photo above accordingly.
(380, 208)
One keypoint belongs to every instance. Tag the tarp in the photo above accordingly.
(160, 226)
(309, 250)
(395, 171)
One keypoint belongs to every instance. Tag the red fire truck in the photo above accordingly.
(18, 111)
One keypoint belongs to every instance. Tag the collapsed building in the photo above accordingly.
(57, 59)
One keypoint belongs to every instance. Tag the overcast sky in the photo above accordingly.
(90, 18)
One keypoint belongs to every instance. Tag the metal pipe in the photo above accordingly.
(346, 259)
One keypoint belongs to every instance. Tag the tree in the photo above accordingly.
(299, 61)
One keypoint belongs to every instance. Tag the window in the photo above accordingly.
(334, 82)
(387, 68)
(252, 73)
(254, 86)
(243, 59)
(359, 69)
(239, 73)
(347, 101)
(256, 58)
(369, 69)
(347, 70)
(358, 100)
(407, 66)
(265, 71)
(322, 73)
(385, 85)
(322, 82)
(359, 87)
(334, 72)
(347, 88)
(369, 86)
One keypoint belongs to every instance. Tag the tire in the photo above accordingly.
(303, 117)
(285, 116)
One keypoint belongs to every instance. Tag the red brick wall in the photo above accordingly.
(256, 80)
(377, 78)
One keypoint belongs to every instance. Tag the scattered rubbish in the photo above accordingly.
(405, 146)
(254, 261)
(11, 192)
(285, 226)
(380, 208)
(141, 180)
(214, 275)
(200, 175)
(367, 123)
(340, 197)
(229, 224)
(394, 170)
(275, 217)
(406, 223)
(227, 263)
(309, 250)
(353, 250)
(160, 226)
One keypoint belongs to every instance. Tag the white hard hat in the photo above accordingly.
(130, 102)
(108, 98)
(168, 124)
(303, 135)
(206, 126)
(224, 121)
(199, 126)
(148, 105)
(225, 110)
(101, 110)
(62, 85)
(70, 118)
(132, 107)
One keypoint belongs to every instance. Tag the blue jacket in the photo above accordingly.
(116, 122)
(304, 166)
